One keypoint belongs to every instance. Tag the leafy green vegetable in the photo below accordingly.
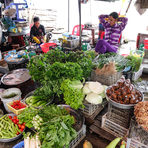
(134, 62)
(52, 68)
(56, 131)
(73, 95)
(106, 58)
(27, 116)
(55, 128)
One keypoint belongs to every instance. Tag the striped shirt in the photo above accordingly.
(112, 33)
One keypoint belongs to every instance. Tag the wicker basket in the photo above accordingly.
(113, 127)
(17, 112)
(106, 80)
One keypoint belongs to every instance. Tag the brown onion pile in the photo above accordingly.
(141, 114)
(123, 92)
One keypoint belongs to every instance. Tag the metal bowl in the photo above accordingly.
(31, 94)
(14, 138)
(79, 118)
(121, 106)
(3, 77)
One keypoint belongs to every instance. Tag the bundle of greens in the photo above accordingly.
(134, 62)
(73, 94)
(120, 61)
(27, 116)
(55, 128)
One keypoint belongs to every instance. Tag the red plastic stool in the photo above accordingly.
(76, 30)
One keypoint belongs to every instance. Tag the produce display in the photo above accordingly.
(53, 124)
(141, 114)
(73, 94)
(35, 101)
(114, 143)
(52, 69)
(18, 105)
(10, 127)
(123, 92)
(103, 59)
(135, 60)
(94, 91)
(31, 141)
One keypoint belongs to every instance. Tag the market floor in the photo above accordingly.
(95, 140)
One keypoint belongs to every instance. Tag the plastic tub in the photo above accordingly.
(46, 46)
(8, 100)
(19, 145)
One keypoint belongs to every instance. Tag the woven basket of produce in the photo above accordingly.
(106, 79)
(108, 68)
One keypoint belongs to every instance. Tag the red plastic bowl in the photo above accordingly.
(47, 46)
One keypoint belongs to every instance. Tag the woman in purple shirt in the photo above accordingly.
(113, 27)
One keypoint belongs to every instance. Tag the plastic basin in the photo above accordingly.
(47, 46)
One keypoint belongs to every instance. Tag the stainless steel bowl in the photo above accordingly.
(14, 138)
(121, 106)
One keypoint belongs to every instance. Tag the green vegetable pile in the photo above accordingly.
(7, 128)
(134, 62)
(106, 58)
(73, 94)
(35, 101)
(27, 116)
(56, 126)
(52, 68)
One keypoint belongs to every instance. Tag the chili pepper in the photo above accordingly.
(18, 105)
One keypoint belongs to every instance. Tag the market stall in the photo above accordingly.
(54, 95)
(68, 87)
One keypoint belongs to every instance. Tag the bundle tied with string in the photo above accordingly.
(108, 69)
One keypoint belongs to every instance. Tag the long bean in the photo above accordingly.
(7, 128)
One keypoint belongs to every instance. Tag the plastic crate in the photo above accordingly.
(137, 137)
(119, 116)
(80, 136)
(133, 143)
(90, 109)
(113, 127)
(137, 75)
(19, 145)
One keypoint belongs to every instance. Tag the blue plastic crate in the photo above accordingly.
(19, 145)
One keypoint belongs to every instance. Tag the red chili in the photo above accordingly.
(18, 105)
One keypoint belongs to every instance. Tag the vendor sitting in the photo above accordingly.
(37, 31)
(113, 27)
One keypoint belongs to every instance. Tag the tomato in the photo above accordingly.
(17, 133)
(22, 127)
(10, 117)
(15, 117)
(24, 123)
(14, 121)
(21, 130)
(17, 120)
(19, 125)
